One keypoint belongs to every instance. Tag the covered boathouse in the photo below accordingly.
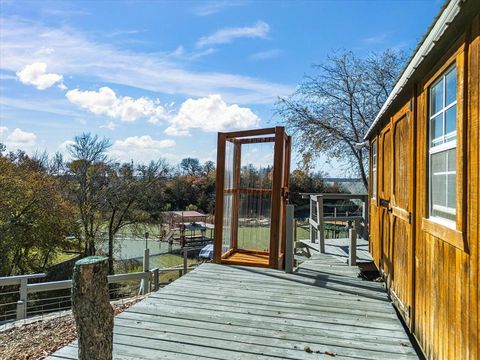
(424, 188)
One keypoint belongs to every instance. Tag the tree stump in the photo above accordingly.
(91, 308)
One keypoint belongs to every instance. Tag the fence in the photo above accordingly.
(28, 305)
(356, 221)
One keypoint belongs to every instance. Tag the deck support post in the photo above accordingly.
(289, 239)
(91, 308)
(352, 251)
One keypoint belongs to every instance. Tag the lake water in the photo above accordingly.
(129, 248)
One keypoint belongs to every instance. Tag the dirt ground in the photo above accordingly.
(39, 339)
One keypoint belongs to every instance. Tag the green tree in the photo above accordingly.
(35, 217)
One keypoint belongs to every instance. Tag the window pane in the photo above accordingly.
(451, 122)
(451, 87)
(452, 160)
(436, 97)
(439, 179)
(436, 131)
(451, 197)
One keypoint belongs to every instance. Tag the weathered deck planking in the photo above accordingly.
(227, 312)
(340, 249)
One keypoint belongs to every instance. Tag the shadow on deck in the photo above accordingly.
(224, 312)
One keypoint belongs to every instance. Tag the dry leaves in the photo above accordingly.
(40, 339)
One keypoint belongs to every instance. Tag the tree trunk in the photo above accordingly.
(91, 309)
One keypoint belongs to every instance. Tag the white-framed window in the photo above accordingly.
(442, 147)
(374, 169)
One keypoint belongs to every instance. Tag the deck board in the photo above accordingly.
(234, 312)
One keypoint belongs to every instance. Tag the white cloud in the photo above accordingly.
(376, 39)
(106, 102)
(213, 7)
(19, 139)
(3, 130)
(63, 148)
(265, 55)
(211, 114)
(36, 74)
(110, 126)
(140, 148)
(227, 35)
(76, 55)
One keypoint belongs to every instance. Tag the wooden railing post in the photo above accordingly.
(91, 308)
(156, 279)
(352, 251)
(185, 261)
(320, 222)
(289, 239)
(145, 284)
(312, 233)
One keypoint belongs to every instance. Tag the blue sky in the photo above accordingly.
(161, 78)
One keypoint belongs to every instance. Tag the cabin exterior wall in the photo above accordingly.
(431, 270)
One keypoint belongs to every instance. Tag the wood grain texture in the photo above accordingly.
(238, 313)
(445, 262)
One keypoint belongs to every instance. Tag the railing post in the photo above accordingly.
(365, 217)
(352, 251)
(185, 260)
(310, 226)
(23, 301)
(320, 222)
(145, 285)
(91, 308)
(289, 239)
(156, 279)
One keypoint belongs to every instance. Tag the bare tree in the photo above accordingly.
(88, 170)
(331, 111)
(126, 186)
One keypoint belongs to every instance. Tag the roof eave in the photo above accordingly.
(443, 21)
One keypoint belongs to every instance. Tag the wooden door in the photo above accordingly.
(400, 273)
(384, 194)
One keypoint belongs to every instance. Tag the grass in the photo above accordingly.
(258, 238)
(167, 261)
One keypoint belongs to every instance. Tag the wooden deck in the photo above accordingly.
(339, 248)
(225, 312)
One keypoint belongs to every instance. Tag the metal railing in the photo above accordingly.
(357, 221)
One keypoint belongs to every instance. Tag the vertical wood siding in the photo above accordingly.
(443, 290)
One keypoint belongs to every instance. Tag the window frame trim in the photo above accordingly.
(374, 192)
(455, 233)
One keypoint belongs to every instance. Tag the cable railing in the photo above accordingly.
(20, 299)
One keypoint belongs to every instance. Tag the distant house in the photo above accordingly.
(425, 186)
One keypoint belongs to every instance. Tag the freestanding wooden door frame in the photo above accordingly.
(279, 193)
